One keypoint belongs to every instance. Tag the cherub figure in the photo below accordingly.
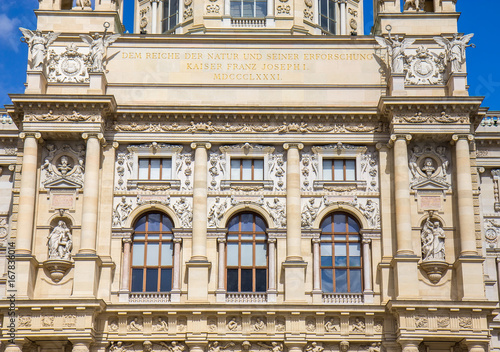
(38, 44)
(396, 49)
(455, 49)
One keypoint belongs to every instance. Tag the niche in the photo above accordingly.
(66, 4)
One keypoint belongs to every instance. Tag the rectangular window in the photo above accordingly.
(170, 15)
(339, 169)
(249, 8)
(247, 169)
(327, 11)
(155, 169)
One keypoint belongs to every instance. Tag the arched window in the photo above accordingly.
(246, 254)
(340, 252)
(152, 254)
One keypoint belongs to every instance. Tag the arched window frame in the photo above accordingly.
(258, 238)
(165, 264)
(335, 238)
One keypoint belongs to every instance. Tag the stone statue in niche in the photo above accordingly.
(121, 212)
(38, 44)
(217, 347)
(428, 168)
(277, 211)
(273, 347)
(60, 242)
(455, 49)
(396, 49)
(83, 3)
(174, 346)
(371, 212)
(417, 5)
(314, 347)
(184, 212)
(120, 347)
(216, 212)
(432, 237)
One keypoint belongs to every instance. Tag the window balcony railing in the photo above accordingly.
(343, 298)
(246, 298)
(248, 22)
(149, 298)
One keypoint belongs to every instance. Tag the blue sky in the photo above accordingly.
(478, 16)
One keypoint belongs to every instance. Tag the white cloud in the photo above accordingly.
(9, 32)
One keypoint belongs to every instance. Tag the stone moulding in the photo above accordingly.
(435, 270)
(57, 268)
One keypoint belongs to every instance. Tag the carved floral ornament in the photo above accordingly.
(67, 116)
(420, 117)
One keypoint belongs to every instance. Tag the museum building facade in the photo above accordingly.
(249, 175)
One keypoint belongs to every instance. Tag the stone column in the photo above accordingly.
(343, 17)
(464, 191)
(469, 262)
(80, 346)
(295, 346)
(27, 195)
(125, 284)
(405, 261)
(198, 266)
(154, 16)
(25, 262)
(90, 194)
(293, 215)
(402, 195)
(316, 265)
(221, 284)
(294, 265)
(476, 346)
(87, 263)
(409, 346)
(367, 266)
(271, 288)
(175, 294)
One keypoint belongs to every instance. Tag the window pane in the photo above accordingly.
(137, 280)
(260, 280)
(258, 169)
(324, 7)
(246, 237)
(339, 223)
(340, 258)
(331, 9)
(261, 9)
(235, 10)
(246, 222)
(246, 254)
(355, 249)
(235, 169)
(326, 260)
(340, 238)
(338, 168)
(232, 254)
(355, 280)
(153, 254)
(154, 222)
(260, 254)
(326, 280)
(341, 280)
(248, 9)
(353, 225)
(138, 254)
(167, 224)
(246, 280)
(232, 280)
(327, 169)
(326, 225)
(233, 224)
(247, 169)
(143, 169)
(155, 169)
(260, 225)
(326, 249)
(153, 236)
(350, 170)
(151, 280)
(166, 280)
(166, 171)
(167, 252)
(141, 224)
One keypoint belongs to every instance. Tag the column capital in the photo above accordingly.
(88, 135)
(457, 137)
(271, 240)
(177, 240)
(315, 240)
(221, 239)
(205, 145)
(115, 145)
(36, 135)
(381, 146)
(395, 137)
(366, 240)
(126, 240)
(299, 146)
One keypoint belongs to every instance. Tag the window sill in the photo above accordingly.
(339, 186)
(144, 297)
(153, 185)
(247, 186)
